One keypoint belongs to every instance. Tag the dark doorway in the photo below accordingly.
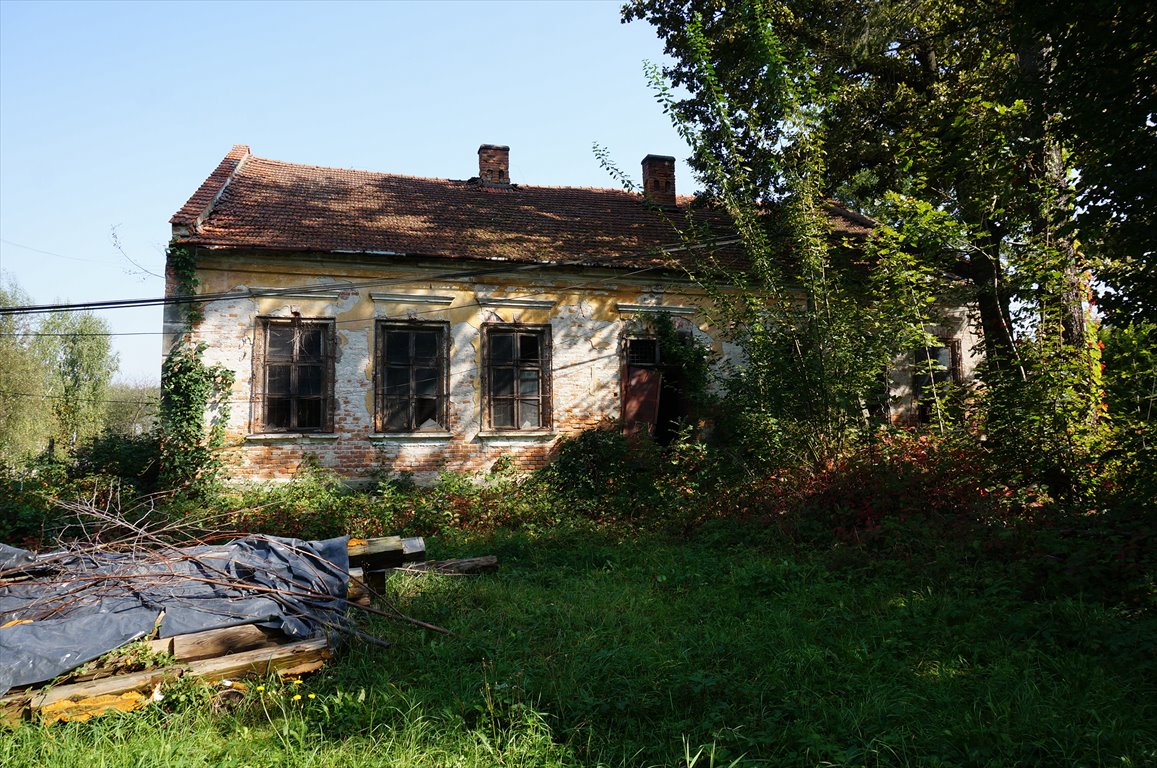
(654, 395)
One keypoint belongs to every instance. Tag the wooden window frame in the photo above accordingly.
(260, 399)
(544, 397)
(381, 365)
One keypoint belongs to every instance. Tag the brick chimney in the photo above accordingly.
(494, 165)
(659, 180)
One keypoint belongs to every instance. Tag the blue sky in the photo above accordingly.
(111, 115)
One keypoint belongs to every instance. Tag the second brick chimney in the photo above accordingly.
(494, 165)
(659, 180)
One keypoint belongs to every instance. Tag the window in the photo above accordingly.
(643, 352)
(517, 388)
(934, 370)
(293, 375)
(410, 377)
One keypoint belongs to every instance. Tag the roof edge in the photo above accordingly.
(193, 213)
(853, 216)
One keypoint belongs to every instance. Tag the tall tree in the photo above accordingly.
(951, 105)
(82, 365)
(23, 384)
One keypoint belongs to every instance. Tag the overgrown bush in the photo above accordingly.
(132, 458)
(25, 512)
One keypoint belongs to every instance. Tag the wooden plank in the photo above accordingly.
(358, 592)
(413, 548)
(460, 566)
(219, 642)
(376, 553)
(385, 551)
(289, 659)
(69, 711)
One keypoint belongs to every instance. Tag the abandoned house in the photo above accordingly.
(384, 323)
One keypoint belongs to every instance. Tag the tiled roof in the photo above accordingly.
(268, 204)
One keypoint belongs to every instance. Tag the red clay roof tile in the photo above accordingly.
(268, 204)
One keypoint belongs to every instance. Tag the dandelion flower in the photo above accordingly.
(297, 697)
(260, 688)
(313, 695)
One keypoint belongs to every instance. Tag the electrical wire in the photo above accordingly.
(347, 285)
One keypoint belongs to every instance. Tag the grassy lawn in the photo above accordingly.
(594, 648)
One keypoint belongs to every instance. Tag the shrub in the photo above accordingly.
(132, 458)
(604, 475)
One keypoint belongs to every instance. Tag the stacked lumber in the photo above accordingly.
(117, 681)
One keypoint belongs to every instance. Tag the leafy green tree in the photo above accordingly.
(81, 368)
(131, 407)
(23, 385)
(1102, 91)
(963, 109)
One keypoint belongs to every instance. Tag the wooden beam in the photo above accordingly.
(284, 660)
(385, 552)
(459, 567)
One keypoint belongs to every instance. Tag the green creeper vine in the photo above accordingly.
(190, 390)
(182, 265)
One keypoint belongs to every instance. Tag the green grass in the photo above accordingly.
(596, 648)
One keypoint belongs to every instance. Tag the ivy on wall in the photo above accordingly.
(194, 396)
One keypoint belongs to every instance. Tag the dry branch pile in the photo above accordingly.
(110, 616)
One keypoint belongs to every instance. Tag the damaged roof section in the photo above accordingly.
(254, 202)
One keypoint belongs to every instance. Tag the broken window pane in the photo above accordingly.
(425, 409)
(528, 411)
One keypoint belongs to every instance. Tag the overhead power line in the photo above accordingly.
(33, 309)
(346, 285)
(433, 311)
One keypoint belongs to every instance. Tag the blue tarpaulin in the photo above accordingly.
(76, 606)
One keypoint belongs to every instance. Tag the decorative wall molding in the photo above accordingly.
(412, 298)
(516, 303)
(278, 293)
(654, 309)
